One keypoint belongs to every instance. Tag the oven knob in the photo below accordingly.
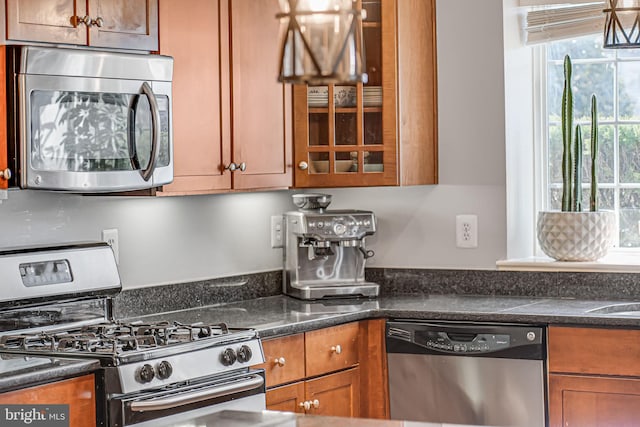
(244, 354)
(146, 374)
(228, 357)
(164, 370)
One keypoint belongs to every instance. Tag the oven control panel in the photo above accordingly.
(187, 365)
(45, 272)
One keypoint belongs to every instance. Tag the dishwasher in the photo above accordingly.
(483, 374)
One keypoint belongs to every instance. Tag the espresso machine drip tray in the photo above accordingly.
(325, 251)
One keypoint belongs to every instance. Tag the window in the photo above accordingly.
(614, 76)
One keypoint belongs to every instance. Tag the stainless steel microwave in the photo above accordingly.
(89, 122)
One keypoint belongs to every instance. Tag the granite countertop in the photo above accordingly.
(18, 372)
(287, 419)
(282, 315)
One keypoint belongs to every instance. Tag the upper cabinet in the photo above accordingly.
(383, 132)
(125, 24)
(231, 118)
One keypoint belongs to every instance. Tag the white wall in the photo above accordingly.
(169, 240)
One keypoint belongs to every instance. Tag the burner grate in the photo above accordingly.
(114, 338)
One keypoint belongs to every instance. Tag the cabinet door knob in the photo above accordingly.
(316, 403)
(6, 174)
(306, 405)
(336, 349)
(303, 166)
(77, 20)
(98, 22)
(279, 361)
(236, 167)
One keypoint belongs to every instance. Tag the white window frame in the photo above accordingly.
(541, 124)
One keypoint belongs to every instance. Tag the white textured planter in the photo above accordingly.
(576, 236)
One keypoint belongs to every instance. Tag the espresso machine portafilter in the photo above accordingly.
(324, 250)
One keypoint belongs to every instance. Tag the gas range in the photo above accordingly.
(57, 303)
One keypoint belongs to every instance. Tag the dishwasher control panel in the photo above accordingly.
(465, 339)
(468, 343)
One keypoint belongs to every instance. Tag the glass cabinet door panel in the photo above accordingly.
(373, 48)
(318, 129)
(372, 8)
(373, 128)
(346, 129)
(345, 162)
(373, 161)
(318, 163)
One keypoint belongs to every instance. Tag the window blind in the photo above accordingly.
(549, 20)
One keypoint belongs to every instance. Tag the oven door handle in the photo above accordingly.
(155, 131)
(252, 382)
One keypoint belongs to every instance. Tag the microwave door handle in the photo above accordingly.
(155, 131)
(133, 152)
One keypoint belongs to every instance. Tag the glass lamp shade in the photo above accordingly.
(321, 42)
(622, 24)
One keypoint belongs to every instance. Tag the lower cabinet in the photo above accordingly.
(594, 377)
(336, 371)
(332, 395)
(78, 393)
(587, 401)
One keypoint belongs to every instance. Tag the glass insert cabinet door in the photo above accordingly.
(79, 139)
(345, 134)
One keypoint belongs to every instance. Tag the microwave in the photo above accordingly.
(88, 121)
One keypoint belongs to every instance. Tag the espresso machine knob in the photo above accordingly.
(339, 228)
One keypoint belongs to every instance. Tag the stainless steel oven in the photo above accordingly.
(89, 121)
(55, 302)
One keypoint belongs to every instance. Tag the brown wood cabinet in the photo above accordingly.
(338, 371)
(229, 111)
(125, 24)
(78, 393)
(5, 173)
(383, 132)
(594, 377)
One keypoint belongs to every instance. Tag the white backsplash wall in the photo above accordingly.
(180, 239)
(161, 240)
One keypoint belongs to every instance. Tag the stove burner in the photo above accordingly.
(113, 338)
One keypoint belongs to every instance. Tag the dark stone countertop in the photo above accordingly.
(286, 419)
(282, 315)
(17, 372)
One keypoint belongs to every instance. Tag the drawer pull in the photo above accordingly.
(336, 349)
(279, 361)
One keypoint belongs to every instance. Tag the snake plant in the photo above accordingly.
(572, 149)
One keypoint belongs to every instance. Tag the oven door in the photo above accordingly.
(86, 134)
(244, 391)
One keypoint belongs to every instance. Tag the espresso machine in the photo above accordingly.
(324, 250)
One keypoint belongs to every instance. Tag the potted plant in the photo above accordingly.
(573, 234)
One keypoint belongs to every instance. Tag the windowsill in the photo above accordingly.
(612, 263)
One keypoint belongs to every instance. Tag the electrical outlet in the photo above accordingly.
(276, 231)
(110, 236)
(467, 231)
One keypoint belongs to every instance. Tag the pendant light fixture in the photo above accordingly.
(321, 42)
(622, 24)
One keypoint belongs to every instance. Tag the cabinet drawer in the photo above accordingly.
(594, 351)
(331, 349)
(284, 359)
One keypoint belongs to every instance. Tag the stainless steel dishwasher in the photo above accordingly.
(466, 373)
